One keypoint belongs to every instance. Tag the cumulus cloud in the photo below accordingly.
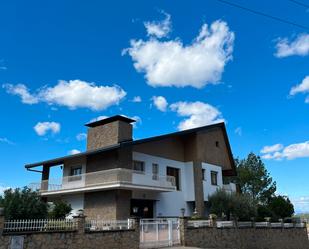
(299, 46)
(23, 92)
(137, 99)
(72, 94)
(81, 136)
(160, 103)
(159, 29)
(303, 87)
(292, 151)
(41, 128)
(271, 148)
(5, 140)
(73, 152)
(172, 63)
(198, 113)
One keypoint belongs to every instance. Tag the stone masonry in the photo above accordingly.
(243, 238)
(120, 239)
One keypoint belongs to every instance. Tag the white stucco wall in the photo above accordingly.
(169, 203)
(76, 202)
(67, 171)
(208, 188)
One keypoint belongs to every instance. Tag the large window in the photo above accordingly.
(170, 171)
(214, 177)
(204, 174)
(155, 171)
(139, 166)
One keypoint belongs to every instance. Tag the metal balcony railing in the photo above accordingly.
(112, 178)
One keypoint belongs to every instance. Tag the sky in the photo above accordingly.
(172, 65)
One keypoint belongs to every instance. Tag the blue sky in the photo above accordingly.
(64, 63)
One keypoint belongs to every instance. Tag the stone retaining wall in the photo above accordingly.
(244, 238)
(120, 239)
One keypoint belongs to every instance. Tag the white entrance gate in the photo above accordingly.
(155, 233)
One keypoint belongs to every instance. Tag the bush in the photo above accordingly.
(243, 207)
(23, 204)
(220, 203)
(240, 206)
(60, 210)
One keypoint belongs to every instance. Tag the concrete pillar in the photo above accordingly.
(198, 188)
(45, 177)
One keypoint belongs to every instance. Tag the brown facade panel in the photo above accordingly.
(169, 148)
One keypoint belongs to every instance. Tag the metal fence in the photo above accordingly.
(39, 225)
(243, 224)
(155, 233)
(105, 225)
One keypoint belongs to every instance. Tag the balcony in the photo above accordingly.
(230, 187)
(118, 178)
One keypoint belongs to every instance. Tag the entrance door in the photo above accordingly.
(142, 208)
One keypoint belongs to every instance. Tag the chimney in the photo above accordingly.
(109, 131)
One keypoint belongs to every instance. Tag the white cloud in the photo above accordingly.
(292, 151)
(299, 46)
(137, 99)
(159, 29)
(98, 118)
(171, 63)
(41, 128)
(136, 118)
(198, 113)
(160, 102)
(81, 136)
(72, 94)
(22, 91)
(303, 87)
(271, 148)
(73, 152)
(5, 140)
(301, 204)
(238, 131)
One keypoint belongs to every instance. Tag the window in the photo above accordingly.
(204, 174)
(214, 177)
(170, 171)
(75, 173)
(139, 166)
(217, 143)
(155, 171)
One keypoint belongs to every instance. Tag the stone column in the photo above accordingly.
(80, 223)
(1, 220)
(198, 188)
(183, 223)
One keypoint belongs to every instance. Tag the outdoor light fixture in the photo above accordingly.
(135, 210)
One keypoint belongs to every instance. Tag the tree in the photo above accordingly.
(23, 204)
(281, 207)
(60, 210)
(254, 180)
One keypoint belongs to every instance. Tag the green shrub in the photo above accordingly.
(60, 210)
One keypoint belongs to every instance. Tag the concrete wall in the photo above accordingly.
(209, 189)
(244, 238)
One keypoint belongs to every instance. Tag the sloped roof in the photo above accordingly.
(60, 160)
